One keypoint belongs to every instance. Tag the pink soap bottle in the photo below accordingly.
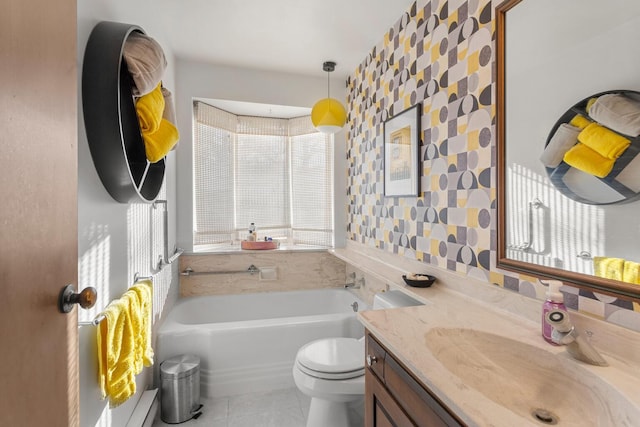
(554, 301)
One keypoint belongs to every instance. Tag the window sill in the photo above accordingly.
(236, 249)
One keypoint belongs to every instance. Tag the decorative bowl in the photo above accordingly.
(419, 280)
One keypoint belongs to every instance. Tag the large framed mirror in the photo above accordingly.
(582, 226)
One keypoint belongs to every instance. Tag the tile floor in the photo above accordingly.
(279, 408)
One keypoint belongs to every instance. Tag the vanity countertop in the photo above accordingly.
(404, 332)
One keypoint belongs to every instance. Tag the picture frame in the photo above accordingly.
(402, 153)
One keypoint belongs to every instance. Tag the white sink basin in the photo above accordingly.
(535, 384)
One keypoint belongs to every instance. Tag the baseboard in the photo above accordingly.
(146, 410)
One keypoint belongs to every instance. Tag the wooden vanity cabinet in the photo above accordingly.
(393, 397)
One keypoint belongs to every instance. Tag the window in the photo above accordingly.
(277, 173)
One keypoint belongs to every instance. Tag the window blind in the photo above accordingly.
(277, 173)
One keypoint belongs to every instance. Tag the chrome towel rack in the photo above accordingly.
(190, 272)
(95, 322)
(533, 204)
(100, 317)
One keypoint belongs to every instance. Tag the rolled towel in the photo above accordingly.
(580, 121)
(607, 267)
(565, 137)
(159, 143)
(600, 139)
(150, 108)
(587, 160)
(145, 61)
(617, 112)
(169, 112)
(159, 135)
(631, 272)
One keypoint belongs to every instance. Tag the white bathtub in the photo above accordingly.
(248, 343)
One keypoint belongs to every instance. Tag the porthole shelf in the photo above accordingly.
(111, 123)
(620, 186)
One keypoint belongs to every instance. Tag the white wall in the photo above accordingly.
(115, 240)
(201, 80)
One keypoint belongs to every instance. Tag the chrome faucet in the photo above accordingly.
(564, 333)
(355, 283)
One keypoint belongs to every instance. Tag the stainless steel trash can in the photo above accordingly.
(180, 390)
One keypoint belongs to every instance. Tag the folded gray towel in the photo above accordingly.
(566, 136)
(169, 112)
(145, 61)
(617, 112)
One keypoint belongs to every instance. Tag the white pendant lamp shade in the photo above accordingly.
(328, 115)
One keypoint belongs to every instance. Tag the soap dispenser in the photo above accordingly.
(252, 233)
(554, 301)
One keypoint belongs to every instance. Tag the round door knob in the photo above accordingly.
(371, 359)
(87, 297)
(68, 297)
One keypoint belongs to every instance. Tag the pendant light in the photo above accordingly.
(328, 115)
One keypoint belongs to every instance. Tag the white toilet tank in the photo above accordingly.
(391, 299)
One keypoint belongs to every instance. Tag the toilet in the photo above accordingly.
(331, 371)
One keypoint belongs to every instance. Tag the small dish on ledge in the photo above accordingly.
(259, 245)
(418, 280)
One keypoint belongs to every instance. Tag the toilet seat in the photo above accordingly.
(332, 358)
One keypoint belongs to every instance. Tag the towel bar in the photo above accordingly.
(95, 322)
(100, 317)
(137, 278)
(189, 271)
(533, 204)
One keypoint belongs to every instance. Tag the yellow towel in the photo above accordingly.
(590, 102)
(124, 342)
(150, 108)
(142, 292)
(607, 143)
(159, 134)
(158, 144)
(116, 347)
(631, 272)
(584, 158)
(609, 268)
(580, 121)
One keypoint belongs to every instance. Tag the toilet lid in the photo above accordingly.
(332, 358)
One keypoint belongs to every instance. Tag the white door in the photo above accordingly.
(38, 212)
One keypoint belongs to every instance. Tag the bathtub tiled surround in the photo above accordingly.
(295, 270)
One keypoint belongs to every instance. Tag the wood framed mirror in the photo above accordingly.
(550, 55)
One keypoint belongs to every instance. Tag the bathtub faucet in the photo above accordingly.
(355, 283)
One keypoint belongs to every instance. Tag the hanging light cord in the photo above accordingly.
(328, 84)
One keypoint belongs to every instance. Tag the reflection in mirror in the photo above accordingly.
(592, 152)
(552, 56)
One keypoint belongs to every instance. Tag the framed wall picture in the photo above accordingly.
(401, 153)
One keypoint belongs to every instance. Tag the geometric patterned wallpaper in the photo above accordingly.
(441, 58)
(439, 54)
